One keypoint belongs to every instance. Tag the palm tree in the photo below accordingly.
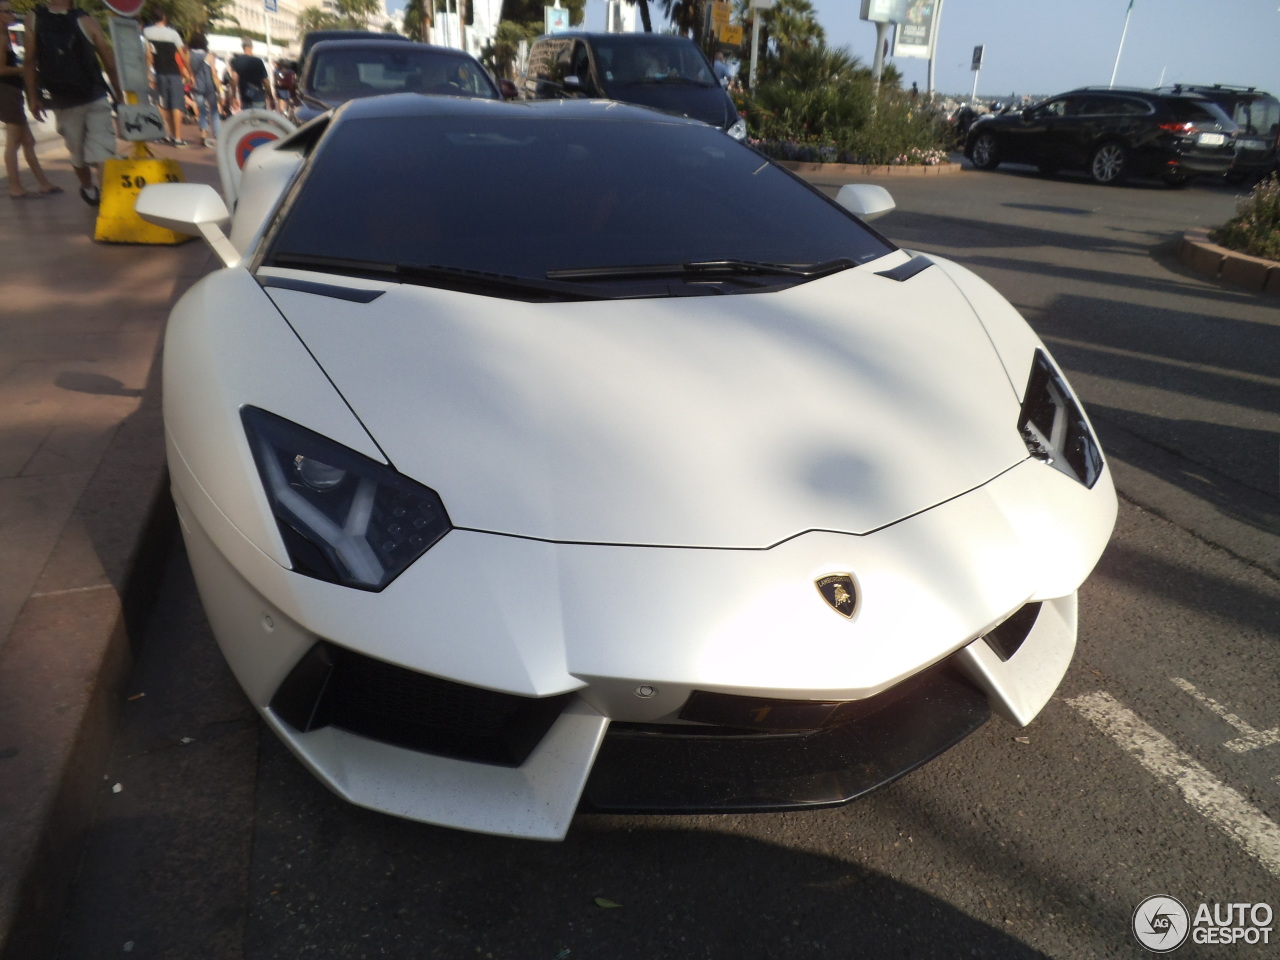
(417, 19)
(793, 24)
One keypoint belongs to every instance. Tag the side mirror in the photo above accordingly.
(508, 89)
(191, 208)
(573, 85)
(1028, 115)
(865, 200)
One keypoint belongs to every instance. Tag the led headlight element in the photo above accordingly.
(1054, 427)
(344, 518)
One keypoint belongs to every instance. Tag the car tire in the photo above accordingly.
(1109, 164)
(985, 152)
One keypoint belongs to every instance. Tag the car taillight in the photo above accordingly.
(1183, 128)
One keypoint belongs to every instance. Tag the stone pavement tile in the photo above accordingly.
(73, 563)
(36, 507)
(21, 563)
(78, 443)
(21, 436)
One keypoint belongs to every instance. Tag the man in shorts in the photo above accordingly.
(66, 52)
(167, 58)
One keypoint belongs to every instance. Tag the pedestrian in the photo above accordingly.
(721, 68)
(205, 86)
(166, 55)
(17, 135)
(65, 54)
(249, 74)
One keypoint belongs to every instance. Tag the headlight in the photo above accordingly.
(344, 518)
(1053, 426)
(738, 130)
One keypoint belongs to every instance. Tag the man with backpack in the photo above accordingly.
(66, 52)
(166, 57)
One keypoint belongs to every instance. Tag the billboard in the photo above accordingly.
(884, 11)
(916, 34)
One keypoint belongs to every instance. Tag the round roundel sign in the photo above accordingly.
(126, 8)
(250, 142)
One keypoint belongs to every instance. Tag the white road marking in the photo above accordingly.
(1251, 740)
(1222, 806)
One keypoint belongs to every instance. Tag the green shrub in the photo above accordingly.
(1255, 229)
(828, 111)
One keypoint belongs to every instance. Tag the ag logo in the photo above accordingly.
(840, 593)
(1161, 924)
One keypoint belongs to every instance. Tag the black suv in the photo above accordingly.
(656, 70)
(1257, 113)
(1112, 134)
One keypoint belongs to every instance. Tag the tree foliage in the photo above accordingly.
(417, 19)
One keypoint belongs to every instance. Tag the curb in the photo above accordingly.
(1196, 252)
(871, 170)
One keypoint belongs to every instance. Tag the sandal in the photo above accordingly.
(90, 195)
(51, 191)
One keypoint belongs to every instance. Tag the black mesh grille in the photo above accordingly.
(333, 686)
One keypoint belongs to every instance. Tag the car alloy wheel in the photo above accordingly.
(1108, 164)
(984, 152)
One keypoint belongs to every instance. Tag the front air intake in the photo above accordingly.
(333, 686)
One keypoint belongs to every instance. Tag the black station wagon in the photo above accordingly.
(1111, 134)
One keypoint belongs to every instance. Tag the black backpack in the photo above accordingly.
(66, 63)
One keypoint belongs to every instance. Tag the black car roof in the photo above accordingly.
(671, 38)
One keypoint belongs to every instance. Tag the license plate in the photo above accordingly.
(1211, 139)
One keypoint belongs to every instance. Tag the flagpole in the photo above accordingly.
(1128, 14)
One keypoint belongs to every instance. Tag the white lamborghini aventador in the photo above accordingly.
(557, 456)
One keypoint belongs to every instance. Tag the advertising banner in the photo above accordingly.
(915, 34)
(884, 11)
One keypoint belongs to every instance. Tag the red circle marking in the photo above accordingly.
(126, 8)
(250, 141)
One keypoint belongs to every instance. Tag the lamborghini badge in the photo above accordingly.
(838, 590)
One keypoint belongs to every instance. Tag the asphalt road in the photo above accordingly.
(1156, 769)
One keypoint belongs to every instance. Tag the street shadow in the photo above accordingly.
(96, 383)
(331, 874)
(1189, 588)
(1241, 480)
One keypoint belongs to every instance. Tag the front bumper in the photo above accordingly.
(652, 761)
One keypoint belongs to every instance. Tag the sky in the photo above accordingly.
(1048, 46)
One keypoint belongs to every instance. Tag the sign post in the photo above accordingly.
(882, 13)
(976, 67)
(758, 7)
(138, 121)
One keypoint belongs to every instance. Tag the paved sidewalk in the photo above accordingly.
(81, 475)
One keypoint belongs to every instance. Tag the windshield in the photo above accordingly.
(533, 197)
(628, 60)
(346, 74)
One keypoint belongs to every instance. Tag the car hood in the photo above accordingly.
(706, 103)
(843, 404)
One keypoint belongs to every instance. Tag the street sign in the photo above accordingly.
(977, 58)
(126, 8)
(884, 11)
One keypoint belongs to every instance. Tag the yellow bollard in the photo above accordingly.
(122, 181)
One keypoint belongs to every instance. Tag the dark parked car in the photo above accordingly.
(1111, 134)
(323, 36)
(1257, 114)
(665, 72)
(340, 70)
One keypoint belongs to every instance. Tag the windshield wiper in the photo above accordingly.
(709, 269)
(452, 278)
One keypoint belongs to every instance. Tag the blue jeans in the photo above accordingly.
(207, 111)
